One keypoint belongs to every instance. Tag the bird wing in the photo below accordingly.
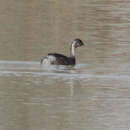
(60, 59)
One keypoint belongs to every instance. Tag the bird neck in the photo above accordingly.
(72, 51)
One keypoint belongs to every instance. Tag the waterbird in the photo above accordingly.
(60, 59)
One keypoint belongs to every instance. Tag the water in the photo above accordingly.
(94, 94)
(58, 97)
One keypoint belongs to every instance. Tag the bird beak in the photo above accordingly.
(83, 44)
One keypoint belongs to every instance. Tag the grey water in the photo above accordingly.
(92, 95)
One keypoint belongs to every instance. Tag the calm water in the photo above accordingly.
(94, 94)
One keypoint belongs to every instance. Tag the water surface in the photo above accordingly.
(94, 94)
(39, 97)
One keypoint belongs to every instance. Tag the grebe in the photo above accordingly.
(59, 59)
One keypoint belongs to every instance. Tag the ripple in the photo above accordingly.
(34, 69)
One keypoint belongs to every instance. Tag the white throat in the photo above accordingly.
(72, 50)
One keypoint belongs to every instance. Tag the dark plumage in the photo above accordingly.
(59, 59)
